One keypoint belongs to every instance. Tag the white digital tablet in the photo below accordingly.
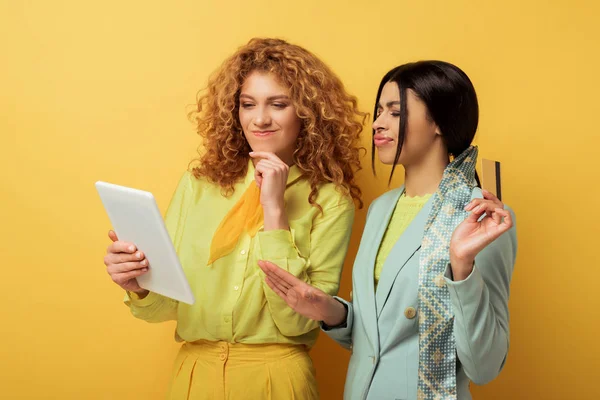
(135, 218)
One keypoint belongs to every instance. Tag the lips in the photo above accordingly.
(382, 140)
(263, 133)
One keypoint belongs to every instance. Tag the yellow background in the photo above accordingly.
(98, 90)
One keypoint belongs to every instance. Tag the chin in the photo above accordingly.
(263, 148)
(386, 159)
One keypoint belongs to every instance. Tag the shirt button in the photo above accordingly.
(236, 287)
(243, 252)
(410, 313)
(222, 357)
(226, 319)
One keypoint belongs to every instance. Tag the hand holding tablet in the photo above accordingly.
(136, 219)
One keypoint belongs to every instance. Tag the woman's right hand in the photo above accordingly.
(124, 263)
(303, 298)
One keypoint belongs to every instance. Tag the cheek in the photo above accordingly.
(245, 118)
(291, 124)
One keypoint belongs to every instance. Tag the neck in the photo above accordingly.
(425, 176)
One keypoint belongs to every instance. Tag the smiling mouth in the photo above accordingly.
(381, 140)
(263, 133)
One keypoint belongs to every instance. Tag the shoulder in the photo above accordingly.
(330, 196)
(383, 201)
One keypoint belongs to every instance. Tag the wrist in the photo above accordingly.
(274, 208)
(275, 218)
(337, 313)
(140, 294)
(461, 267)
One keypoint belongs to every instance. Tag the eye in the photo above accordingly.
(379, 111)
(395, 113)
(246, 105)
(280, 106)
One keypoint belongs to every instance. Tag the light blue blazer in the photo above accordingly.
(382, 330)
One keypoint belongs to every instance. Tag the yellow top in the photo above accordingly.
(405, 211)
(233, 303)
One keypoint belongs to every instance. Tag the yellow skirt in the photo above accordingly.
(207, 370)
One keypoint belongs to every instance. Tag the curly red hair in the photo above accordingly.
(328, 144)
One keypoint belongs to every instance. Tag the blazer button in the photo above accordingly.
(410, 313)
(351, 295)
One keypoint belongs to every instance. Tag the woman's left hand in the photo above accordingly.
(473, 234)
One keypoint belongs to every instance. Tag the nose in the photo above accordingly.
(378, 124)
(263, 117)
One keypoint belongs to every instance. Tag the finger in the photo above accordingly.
(285, 276)
(470, 205)
(280, 283)
(261, 171)
(272, 164)
(497, 218)
(126, 257)
(490, 196)
(278, 166)
(120, 258)
(269, 270)
(475, 214)
(122, 268)
(475, 202)
(112, 235)
(266, 155)
(275, 288)
(507, 221)
(258, 177)
(122, 247)
(124, 277)
(264, 170)
(487, 207)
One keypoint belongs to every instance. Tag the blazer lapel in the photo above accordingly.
(377, 223)
(406, 246)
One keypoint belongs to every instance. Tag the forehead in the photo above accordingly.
(263, 83)
(390, 92)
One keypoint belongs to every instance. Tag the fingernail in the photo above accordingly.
(144, 269)
(138, 255)
(144, 262)
(131, 248)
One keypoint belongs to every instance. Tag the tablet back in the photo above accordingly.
(135, 218)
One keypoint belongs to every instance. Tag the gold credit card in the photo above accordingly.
(490, 177)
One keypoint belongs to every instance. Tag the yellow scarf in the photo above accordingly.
(246, 215)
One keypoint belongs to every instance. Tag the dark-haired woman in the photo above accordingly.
(429, 311)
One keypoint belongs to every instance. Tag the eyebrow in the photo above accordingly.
(390, 104)
(271, 98)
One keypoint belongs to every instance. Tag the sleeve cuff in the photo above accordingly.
(132, 299)
(469, 288)
(344, 325)
(277, 244)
